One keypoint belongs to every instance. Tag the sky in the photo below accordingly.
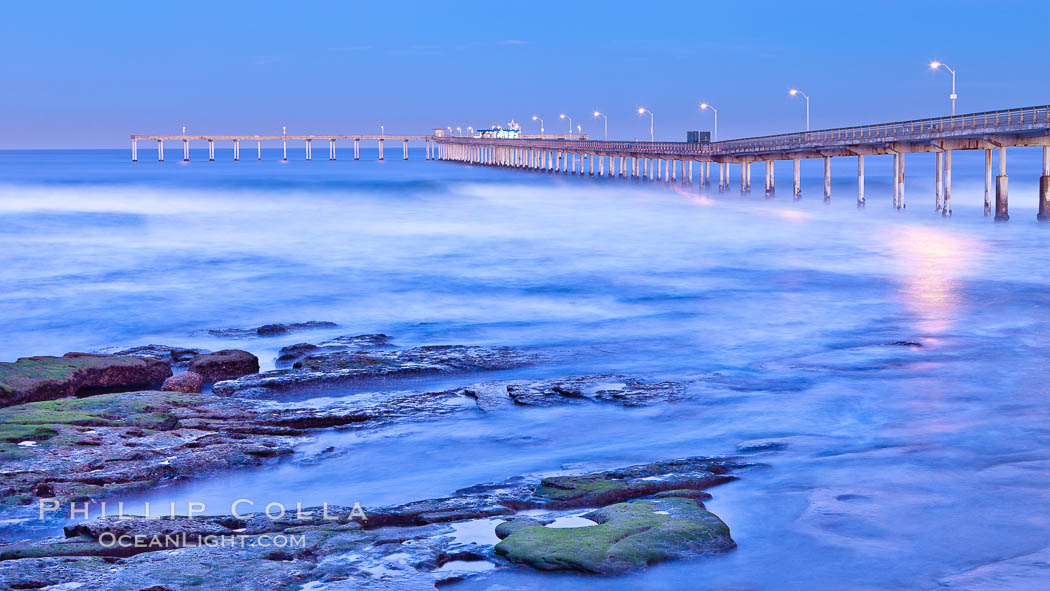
(89, 74)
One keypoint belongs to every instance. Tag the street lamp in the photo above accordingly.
(382, 130)
(459, 131)
(564, 116)
(642, 111)
(579, 129)
(795, 91)
(933, 66)
(450, 131)
(470, 130)
(183, 130)
(540, 119)
(704, 106)
(596, 114)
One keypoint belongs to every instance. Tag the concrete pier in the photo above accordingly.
(678, 161)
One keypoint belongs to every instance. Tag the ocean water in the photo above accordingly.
(905, 467)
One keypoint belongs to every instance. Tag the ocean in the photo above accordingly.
(899, 356)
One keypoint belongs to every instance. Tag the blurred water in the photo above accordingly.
(904, 465)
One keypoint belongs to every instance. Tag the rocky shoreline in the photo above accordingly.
(83, 446)
(638, 516)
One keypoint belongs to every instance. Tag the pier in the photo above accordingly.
(307, 140)
(992, 131)
(686, 163)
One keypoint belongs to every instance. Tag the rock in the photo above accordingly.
(104, 445)
(337, 366)
(752, 447)
(617, 389)
(176, 356)
(396, 547)
(293, 353)
(268, 330)
(31, 379)
(224, 365)
(628, 536)
(187, 381)
(602, 488)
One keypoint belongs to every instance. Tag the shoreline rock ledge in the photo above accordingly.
(35, 379)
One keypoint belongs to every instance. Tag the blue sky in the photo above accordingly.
(85, 74)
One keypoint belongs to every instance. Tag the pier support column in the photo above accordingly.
(947, 211)
(797, 180)
(211, 150)
(357, 150)
(707, 173)
(1002, 208)
(938, 179)
(380, 148)
(721, 177)
(236, 150)
(987, 183)
(185, 150)
(900, 182)
(860, 180)
(893, 178)
(688, 178)
(134, 150)
(827, 178)
(331, 149)
(404, 149)
(743, 178)
(770, 183)
(309, 152)
(160, 150)
(284, 149)
(590, 161)
(1044, 188)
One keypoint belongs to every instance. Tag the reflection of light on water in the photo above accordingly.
(931, 262)
(792, 215)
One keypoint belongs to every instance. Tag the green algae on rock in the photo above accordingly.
(31, 379)
(627, 536)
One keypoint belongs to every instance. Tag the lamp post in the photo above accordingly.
(470, 130)
(599, 113)
(540, 119)
(382, 130)
(705, 106)
(795, 91)
(450, 130)
(183, 130)
(564, 116)
(933, 66)
(642, 111)
(459, 131)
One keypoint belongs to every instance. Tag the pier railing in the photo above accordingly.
(1023, 119)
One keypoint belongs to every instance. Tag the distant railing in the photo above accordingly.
(1006, 120)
